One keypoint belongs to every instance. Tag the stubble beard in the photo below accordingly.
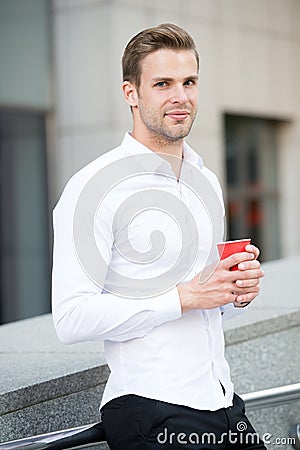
(159, 132)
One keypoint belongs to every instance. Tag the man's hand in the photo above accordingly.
(225, 286)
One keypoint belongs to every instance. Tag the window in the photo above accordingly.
(24, 248)
(251, 167)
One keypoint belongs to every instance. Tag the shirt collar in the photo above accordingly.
(133, 147)
(190, 156)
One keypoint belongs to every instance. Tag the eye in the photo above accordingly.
(189, 82)
(161, 84)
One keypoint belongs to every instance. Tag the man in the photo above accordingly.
(134, 238)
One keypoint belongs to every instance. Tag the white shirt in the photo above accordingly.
(112, 283)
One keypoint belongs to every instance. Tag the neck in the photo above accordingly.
(166, 148)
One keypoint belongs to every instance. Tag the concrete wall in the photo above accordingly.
(250, 54)
(45, 385)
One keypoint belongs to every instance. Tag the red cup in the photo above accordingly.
(229, 248)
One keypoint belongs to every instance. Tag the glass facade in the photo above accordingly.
(25, 99)
(251, 168)
(24, 230)
(25, 54)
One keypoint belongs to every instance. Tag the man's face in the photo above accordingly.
(167, 98)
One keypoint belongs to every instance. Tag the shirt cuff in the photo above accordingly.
(167, 305)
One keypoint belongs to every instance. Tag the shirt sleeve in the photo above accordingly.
(81, 309)
(229, 311)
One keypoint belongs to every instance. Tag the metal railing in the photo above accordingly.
(72, 438)
(93, 434)
(272, 397)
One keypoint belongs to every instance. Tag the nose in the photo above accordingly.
(179, 94)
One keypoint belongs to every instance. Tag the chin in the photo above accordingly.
(179, 134)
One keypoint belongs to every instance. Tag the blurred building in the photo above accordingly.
(61, 106)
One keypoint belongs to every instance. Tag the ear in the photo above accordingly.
(130, 93)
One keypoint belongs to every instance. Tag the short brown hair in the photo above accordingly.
(166, 35)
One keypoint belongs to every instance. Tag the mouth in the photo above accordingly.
(178, 115)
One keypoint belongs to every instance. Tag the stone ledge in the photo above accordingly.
(262, 328)
(276, 308)
(36, 367)
(53, 389)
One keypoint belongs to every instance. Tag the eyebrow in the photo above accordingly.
(157, 79)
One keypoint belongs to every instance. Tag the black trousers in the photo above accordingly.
(132, 422)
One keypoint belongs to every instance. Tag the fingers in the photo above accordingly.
(247, 275)
(242, 292)
(251, 253)
(245, 298)
(236, 259)
(250, 285)
(246, 286)
(249, 265)
(251, 282)
(254, 250)
(247, 270)
(246, 281)
(241, 305)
